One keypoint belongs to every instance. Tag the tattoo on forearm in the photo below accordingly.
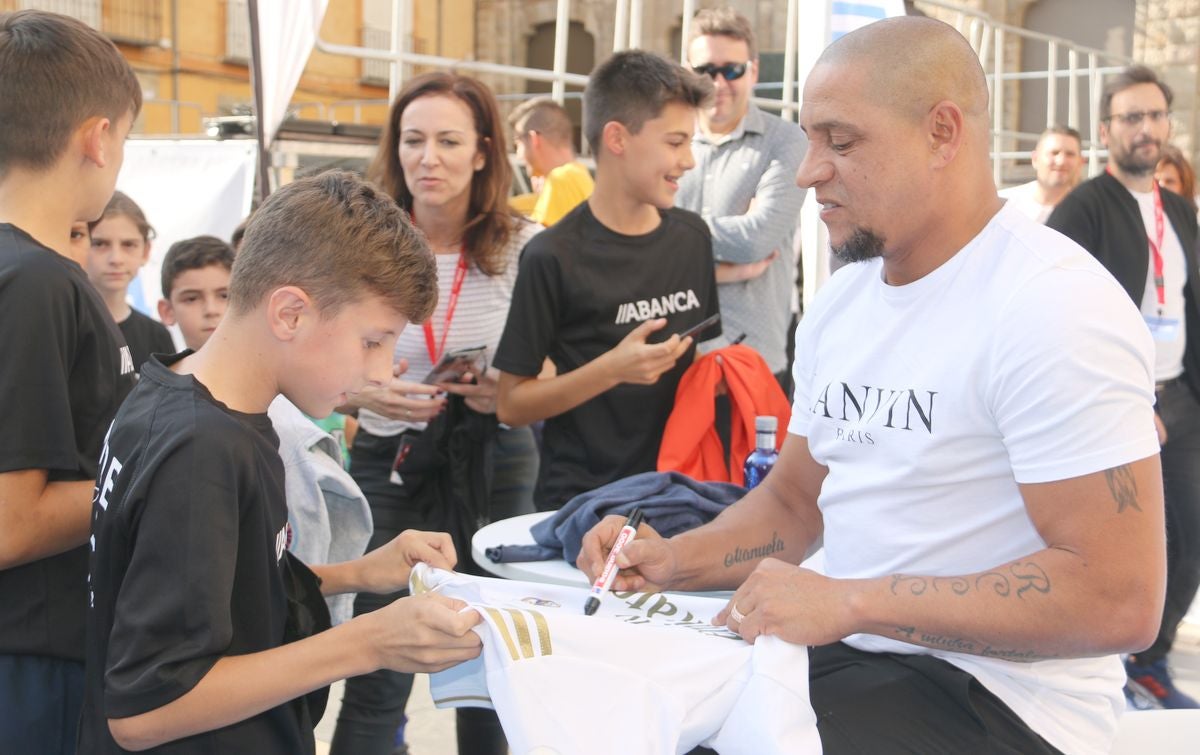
(1019, 577)
(1123, 486)
(741, 555)
(964, 645)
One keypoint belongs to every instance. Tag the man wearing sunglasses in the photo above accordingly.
(1147, 240)
(744, 186)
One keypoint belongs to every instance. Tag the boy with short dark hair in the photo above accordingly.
(67, 102)
(204, 631)
(595, 288)
(195, 287)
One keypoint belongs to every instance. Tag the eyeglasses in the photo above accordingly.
(731, 71)
(1135, 117)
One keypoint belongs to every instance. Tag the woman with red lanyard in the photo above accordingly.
(443, 157)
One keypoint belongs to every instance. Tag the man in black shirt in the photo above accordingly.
(1146, 238)
(204, 634)
(64, 367)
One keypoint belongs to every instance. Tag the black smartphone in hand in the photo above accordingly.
(701, 326)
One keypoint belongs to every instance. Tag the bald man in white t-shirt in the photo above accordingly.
(972, 437)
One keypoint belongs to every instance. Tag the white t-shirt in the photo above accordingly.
(479, 319)
(1023, 197)
(1167, 324)
(1019, 360)
(648, 673)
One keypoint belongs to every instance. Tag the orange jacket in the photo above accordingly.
(690, 442)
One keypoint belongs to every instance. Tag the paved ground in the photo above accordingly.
(431, 731)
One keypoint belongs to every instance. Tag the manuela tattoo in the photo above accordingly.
(740, 554)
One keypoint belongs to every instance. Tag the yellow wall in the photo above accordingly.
(206, 78)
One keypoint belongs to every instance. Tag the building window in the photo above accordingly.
(376, 72)
(237, 31)
(130, 22)
(133, 22)
(87, 11)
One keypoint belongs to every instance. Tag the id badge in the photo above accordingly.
(1163, 328)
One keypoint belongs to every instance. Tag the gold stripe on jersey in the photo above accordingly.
(502, 626)
(460, 698)
(522, 627)
(543, 632)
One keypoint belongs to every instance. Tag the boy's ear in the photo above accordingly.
(146, 253)
(92, 134)
(614, 136)
(288, 307)
(166, 312)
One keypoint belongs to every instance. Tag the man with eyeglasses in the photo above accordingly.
(1147, 240)
(744, 186)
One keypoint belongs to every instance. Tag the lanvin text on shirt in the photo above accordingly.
(867, 406)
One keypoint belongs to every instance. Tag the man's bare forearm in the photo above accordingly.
(720, 555)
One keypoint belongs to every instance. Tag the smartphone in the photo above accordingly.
(701, 326)
(454, 364)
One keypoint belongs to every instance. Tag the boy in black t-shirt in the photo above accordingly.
(205, 634)
(67, 101)
(595, 290)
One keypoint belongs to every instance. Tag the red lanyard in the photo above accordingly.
(460, 274)
(1160, 281)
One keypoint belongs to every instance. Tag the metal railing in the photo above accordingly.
(131, 22)
(1085, 66)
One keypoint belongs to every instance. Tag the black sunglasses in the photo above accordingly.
(731, 71)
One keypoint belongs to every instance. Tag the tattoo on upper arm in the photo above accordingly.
(1019, 577)
(1123, 486)
(740, 555)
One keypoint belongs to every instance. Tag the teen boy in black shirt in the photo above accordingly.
(67, 100)
(204, 634)
(595, 290)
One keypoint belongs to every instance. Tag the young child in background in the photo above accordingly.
(120, 247)
(195, 287)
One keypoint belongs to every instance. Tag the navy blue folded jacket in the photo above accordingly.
(672, 503)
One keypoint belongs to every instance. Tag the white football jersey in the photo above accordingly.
(648, 673)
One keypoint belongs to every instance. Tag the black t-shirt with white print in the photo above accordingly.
(145, 336)
(189, 529)
(64, 370)
(581, 288)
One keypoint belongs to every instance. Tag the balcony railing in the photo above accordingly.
(131, 22)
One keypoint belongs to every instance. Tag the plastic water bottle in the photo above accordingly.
(763, 457)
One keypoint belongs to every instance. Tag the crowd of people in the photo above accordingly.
(987, 415)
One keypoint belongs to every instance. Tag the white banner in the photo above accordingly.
(821, 22)
(186, 188)
(287, 31)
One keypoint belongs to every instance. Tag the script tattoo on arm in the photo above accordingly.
(1019, 578)
(1123, 487)
(966, 645)
(739, 554)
